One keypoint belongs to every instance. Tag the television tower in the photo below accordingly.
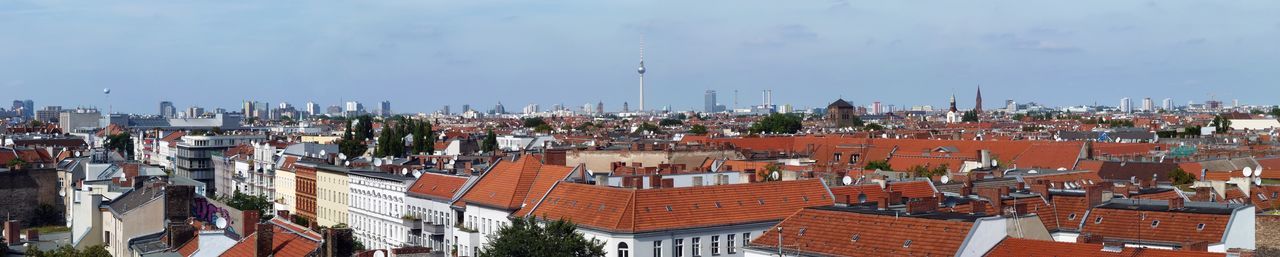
(641, 71)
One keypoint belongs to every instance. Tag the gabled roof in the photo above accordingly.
(629, 210)
(1174, 227)
(909, 189)
(829, 231)
(437, 186)
(840, 103)
(507, 185)
(287, 240)
(1027, 247)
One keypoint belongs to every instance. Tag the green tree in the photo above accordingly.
(877, 165)
(246, 202)
(490, 143)
(16, 163)
(37, 123)
(533, 122)
(542, 128)
(122, 142)
(873, 127)
(423, 138)
(68, 251)
(670, 122)
(48, 215)
(924, 171)
(1177, 176)
(969, 116)
(363, 127)
(352, 147)
(1275, 111)
(1221, 124)
(649, 127)
(698, 130)
(526, 237)
(777, 123)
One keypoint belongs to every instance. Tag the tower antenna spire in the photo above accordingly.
(641, 71)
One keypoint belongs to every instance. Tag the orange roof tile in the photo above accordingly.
(508, 183)
(437, 186)
(832, 232)
(287, 240)
(632, 210)
(1028, 247)
(1173, 227)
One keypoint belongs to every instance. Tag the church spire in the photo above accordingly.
(977, 103)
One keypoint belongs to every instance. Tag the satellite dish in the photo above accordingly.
(379, 254)
(946, 179)
(862, 198)
(219, 222)
(1062, 169)
(342, 156)
(417, 173)
(847, 180)
(404, 171)
(1032, 172)
(346, 163)
(324, 153)
(995, 163)
(1257, 181)
(1248, 171)
(377, 162)
(774, 175)
(1133, 179)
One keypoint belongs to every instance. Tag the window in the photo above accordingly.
(623, 250)
(678, 250)
(1155, 223)
(731, 242)
(697, 247)
(1097, 220)
(657, 248)
(746, 239)
(1071, 217)
(1199, 226)
(906, 244)
(836, 157)
(715, 245)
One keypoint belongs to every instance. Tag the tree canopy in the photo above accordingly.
(1177, 176)
(490, 143)
(878, 165)
(526, 237)
(533, 122)
(698, 130)
(122, 142)
(777, 123)
(246, 202)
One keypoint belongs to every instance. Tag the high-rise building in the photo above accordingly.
(313, 109)
(709, 101)
(875, 107)
(600, 108)
(49, 114)
(499, 109)
(384, 109)
(445, 110)
(24, 108)
(977, 103)
(249, 110)
(1148, 105)
(195, 112)
(531, 108)
(1167, 104)
(167, 110)
(625, 108)
(1126, 105)
(354, 109)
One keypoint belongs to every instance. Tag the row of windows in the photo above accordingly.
(695, 246)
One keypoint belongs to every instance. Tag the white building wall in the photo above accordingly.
(1241, 231)
(376, 212)
(485, 221)
(434, 212)
(712, 242)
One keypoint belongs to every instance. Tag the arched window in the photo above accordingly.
(623, 250)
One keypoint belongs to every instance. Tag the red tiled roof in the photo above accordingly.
(172, 138)
(1173, 227)
(1027, 247)
(909, 189)
(438, 186)
(630, 210)
(510, 182)
(831, 232)
(287, 240)
(190, 247)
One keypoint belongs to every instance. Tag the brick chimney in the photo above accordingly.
(1089, 238)
(995, 195)
(177, 201)
(1176, 203)
(922, 205)
(1042, 190)
(266, 233)
(1196, 246)
(895, 197)
(883, 204)
(1093, 195)
(250, 217)
(283, 214)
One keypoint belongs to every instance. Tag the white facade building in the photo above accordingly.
(377, 210)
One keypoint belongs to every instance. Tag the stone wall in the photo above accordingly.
(22, 191)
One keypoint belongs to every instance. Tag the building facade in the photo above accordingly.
(378, 211)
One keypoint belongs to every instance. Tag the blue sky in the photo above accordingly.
(422, 54)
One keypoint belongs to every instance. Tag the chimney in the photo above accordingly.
(1089, 238)
(177, 201)
(266, 233)
(922, 205)
(250, 217)
(995, 196)
(180, 233)
(1093, 195)
(883, 204)
(1042, 190)
(986, 158)
(844, 201)
(1203, 194)
(668, 183)
(895, 197)
(967, 189)
(1196, 246)
(1021, 209)
(655, 181)
(1176, 203)
(1020, 186)
(283, 214)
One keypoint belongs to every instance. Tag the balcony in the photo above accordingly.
(433, 229)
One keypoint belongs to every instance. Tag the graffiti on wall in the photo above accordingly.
(213, 213)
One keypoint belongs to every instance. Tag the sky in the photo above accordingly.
(424, 54)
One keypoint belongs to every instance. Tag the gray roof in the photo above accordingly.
(134, 198)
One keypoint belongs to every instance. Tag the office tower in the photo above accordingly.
(1148, 105)
(313, 108)
(709, 101)
(384, 108)
(167, 110)
(1126, 106)
(1167, 104)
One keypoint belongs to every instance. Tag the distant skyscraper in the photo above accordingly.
(446, 111)
(1148, 105)
(709, 101)
(313, 109)
(1235, 103)
(24, 108)
(466, 108)
(384, 109)
(977, 103)
(167, 110)
(625, 108)
(1126, 105)
(499, 109)
(531, 108)
(195, 112)
(641, 71)
(875, 107)
(600, 108)
(1167, 104)
(249, 110)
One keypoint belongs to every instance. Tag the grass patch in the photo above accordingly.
(51, 229)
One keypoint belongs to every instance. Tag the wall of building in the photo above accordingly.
(710, 240)
(600, 160)
(332, 197)
(285, 197)
(377, 212)
(436, 212)
(143, 220)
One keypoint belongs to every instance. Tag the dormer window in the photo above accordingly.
(1071, 216)
(855, 238)
(1155, 223)
(1097, 220)
(1200, 227)
(906, 244)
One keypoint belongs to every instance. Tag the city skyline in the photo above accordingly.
(536, 52)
